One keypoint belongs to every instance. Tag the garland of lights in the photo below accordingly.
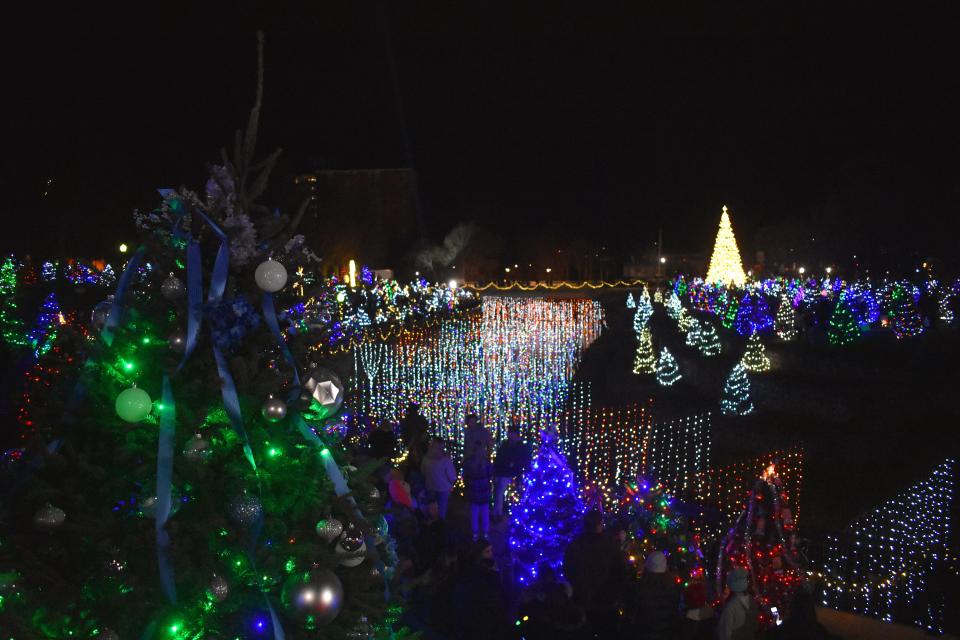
(586, 284)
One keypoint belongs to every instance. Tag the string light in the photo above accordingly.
(517, 286)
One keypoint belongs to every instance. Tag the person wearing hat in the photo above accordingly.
(513, 456)
(657, 608)
(699, 622)
(739, 618)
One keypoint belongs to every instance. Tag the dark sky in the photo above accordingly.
(605, 123)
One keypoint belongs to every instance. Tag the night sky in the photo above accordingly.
(601, 124)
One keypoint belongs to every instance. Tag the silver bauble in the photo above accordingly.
(177, 342)
(315, 594)
(98, 318)
(351, 547)
(329, 529)
(361, 631)
(245, 509)
(271, 276)
(323, 387)
(49, 518)
(197, 449)
(374, 493)
(219, 588)
(172, 288)
(274, 409)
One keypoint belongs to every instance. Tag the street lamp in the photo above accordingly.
(829, 270)
(801, 270)
(663, 260)
(123, 248)
(549, 269)
(507, 269)
(452, 284)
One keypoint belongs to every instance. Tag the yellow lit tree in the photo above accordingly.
(725, 263)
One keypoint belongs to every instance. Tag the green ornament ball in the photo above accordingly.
(133, 404)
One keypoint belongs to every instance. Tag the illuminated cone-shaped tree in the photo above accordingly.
(725, 264)
(906, 317)
(946, 308)
(735, 400)
(684, 320)
(549, 514)
(631, 303)
(11, 326)
(709, 344)
(673, 306)
(731, 310)
(44, 331)
(668, 372)
(642, 315)
(753, 314)
(755, 359)
(693, 333)
(645, 360)
(763, 542)
(844, 328)
(786, 322)
(658, 296)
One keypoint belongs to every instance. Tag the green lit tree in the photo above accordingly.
(786, 321)
(645, 360)
(668, 373)
(709, 343)
(730, 316)
(11, 326)
(735, 400)
(755, 359)
(843, 328)
(195, 505)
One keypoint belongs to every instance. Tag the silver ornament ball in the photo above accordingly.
(271, 276)
(197, 449)
(219, 588)
(351, 547)
(323, 387)
(245, 509)
(329, 529)
(315, 594)
(172, 288)
(100, 313)
(274, 409)
(49, 518)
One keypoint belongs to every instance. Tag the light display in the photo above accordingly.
(786, 321)
(658, 296)
(762, 540)
(945, 308)
(667, 371)
(673, 306)
(549, 514)
(645, 360)
(709, 343)
(11, 326)
(843, 328)
(676, 451)
(753, 314)
(906, 317)
(725, 264)
(884, 563)
(685, 321)
(44, 332)
(555, 286)
(735, 400)
(642, 316)
(755, 359)
(693, 333)
(631, 303)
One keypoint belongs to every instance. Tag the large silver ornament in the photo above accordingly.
(172, 288)
(219, 588)
(100, 314)
(329, 529)
(315, 594)
(270, 276)
(197, 449)
(245, 509)
(351, 548)
(323, 387)
(49, 518)
(274, 409)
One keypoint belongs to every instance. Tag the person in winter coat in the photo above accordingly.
(481, 602)
(383, 444)
(477, 474)
(547, 609)
(476, 433)
(699, 621)
(739, 618)
(513, 456)
(657, 611)
(439, 474)
(413, 429)
(802, 623)
(594, 566)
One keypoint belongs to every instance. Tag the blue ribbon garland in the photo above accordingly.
(270, 315)
(117, 307)
(194, 299)
(168, 418)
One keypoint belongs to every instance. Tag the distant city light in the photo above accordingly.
(549, 269)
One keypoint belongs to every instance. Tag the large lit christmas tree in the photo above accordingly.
(725, 264)
(208, 500)
(786, 321)
(735, 400)
(645, 360)
(843, 326)
(668, 372)
(755, 358)
(763, 541)
(11, 326)
(709, 343)
(549, 514)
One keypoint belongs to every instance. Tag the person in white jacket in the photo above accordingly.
(439, 474)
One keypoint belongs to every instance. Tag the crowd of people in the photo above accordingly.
(457, 581)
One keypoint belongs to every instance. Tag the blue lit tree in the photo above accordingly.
(44, 330)
(753, 314)
(631, 303)
(549, 514)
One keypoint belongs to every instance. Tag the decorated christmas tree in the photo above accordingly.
(755, 358)
(658, 296)
(44, 331)
(549, 513)
(631, 303)
(731, 310)
(725, 264)
(735, 400)
(843, 327)
(753, 314)
(906, 317)
(709, 344)
(11, 326)
(647, 513)
(667, 371)
(945, 308)
(693, 333)
(190, 488)
(685, 320)
(645, 360)
(763, 541)
(642, 315)
(673, 306)
(786, 322)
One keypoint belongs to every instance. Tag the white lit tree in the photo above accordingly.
(755, 359)
(673, 306)
(631, 303)
(786, 320)
(725, 264)
(646, 359)
(709, 344)
(693, 333)
(668, 372)
(735, 400)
